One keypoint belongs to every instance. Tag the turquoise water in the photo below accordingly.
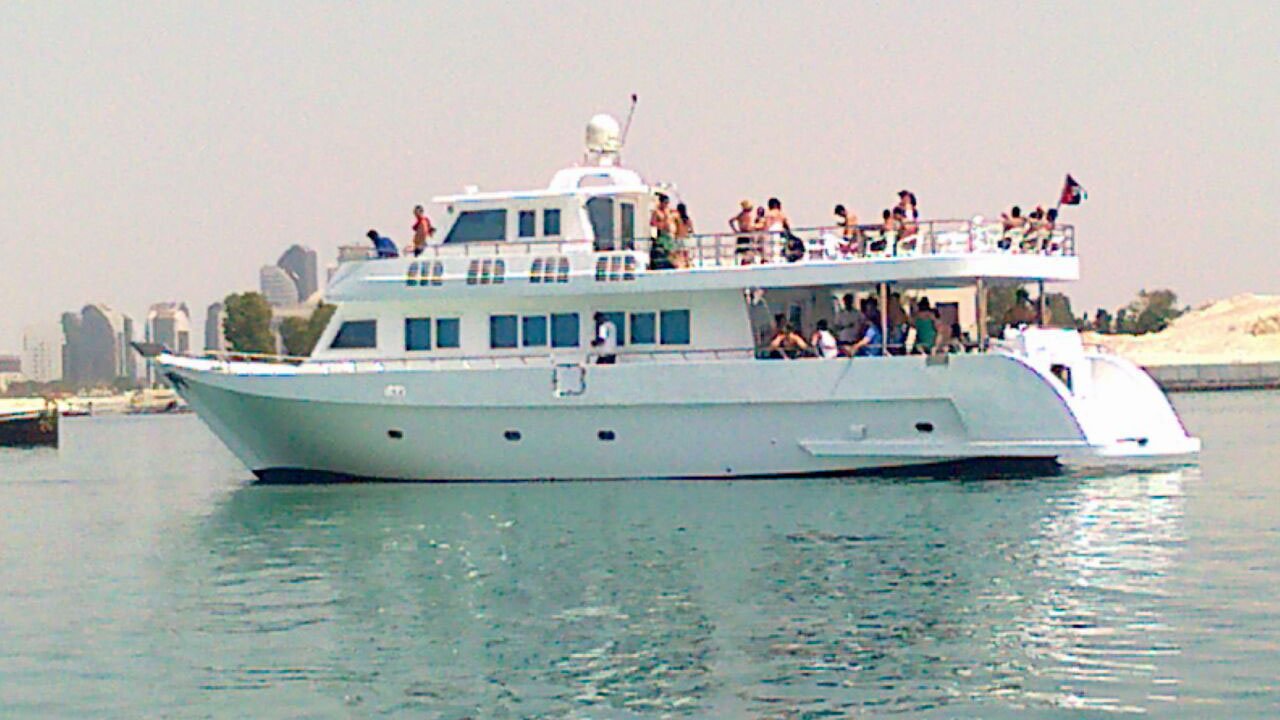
(141, 576)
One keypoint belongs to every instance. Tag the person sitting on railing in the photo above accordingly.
(851, 236)
(787, 343)
(823, 342)
(910, 214)
(867, 343)
(382, 245)
(744, 224)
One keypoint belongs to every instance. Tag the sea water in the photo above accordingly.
(142, 575)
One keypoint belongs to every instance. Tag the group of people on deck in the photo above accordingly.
(858, 330)
(1033, 232)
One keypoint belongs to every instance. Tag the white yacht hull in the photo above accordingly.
(686, 419)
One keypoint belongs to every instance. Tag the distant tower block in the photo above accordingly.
(604, 140)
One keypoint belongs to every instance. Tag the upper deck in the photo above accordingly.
(942, 253)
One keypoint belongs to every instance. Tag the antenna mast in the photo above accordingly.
(630, 114)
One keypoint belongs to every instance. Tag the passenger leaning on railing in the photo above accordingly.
(382, 245)
(661, 224)
(850, 234)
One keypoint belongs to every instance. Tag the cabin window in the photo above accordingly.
(600, 212)
(533, 331)
(528, 223)
(644, 328)
(356, 335)
(564, 330)
(448, 333)
(675, 327)
(551, 223)
(417, 334)
(628, 221)
(479, 226)
(502, 332)
(619, 320)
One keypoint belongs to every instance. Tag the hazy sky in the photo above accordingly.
(165, 151)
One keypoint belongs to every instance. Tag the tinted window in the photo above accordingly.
(675, 327)
(479, 226)
(644, 328)
(551, 222)
(533, 331)
(417, 333)
(628, 224)
(619, 321)
(564, 330)
(355, 334)
(502, 331)
(448, 333)
(527, 223)
(600, 212)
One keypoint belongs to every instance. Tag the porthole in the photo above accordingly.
(512, 435)
(395, 434)
(606, 435)
(924, 427)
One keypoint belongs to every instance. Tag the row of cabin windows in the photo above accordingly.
(491, 225)
(511, 331)
(559, 330)
(668, 327)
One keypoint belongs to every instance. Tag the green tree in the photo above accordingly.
(1154, 310)
(300, 334)
(1057, 310)
(246, 323)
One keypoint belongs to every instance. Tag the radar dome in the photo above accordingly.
(604, 134)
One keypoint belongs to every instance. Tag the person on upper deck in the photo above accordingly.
(682, 228)
(1013, 219)
(744, 224)
(777, 224)
(422, 229)
(910, 215)
(907, 201)
(661, 224)
(850, 235)
(382, 245)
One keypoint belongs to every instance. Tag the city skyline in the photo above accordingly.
(164, 177)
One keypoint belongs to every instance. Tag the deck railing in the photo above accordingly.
(822, 243)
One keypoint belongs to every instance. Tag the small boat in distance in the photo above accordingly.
(478, 359)
(28, 422)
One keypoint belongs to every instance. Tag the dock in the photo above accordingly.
(1222, 376)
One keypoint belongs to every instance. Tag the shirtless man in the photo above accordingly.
(851, 243)
(744, 224)
(660, 222)
(778, 226)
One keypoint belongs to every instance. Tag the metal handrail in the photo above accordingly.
(823, 242)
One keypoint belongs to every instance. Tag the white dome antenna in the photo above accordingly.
(605, 137)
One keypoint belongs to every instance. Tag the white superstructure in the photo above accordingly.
(473, 361)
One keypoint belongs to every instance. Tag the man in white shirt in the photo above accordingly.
(606, 341)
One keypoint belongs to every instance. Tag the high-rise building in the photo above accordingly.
(10, 370)
(214, 339)
(277, 286)
(42, 353)
(97, 349)
(301, 265)
(168, 324)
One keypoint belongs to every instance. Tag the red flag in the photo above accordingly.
(1072, 192)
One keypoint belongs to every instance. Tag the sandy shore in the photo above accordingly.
(1240, 329)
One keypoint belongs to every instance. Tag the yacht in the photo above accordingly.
(474, 360)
